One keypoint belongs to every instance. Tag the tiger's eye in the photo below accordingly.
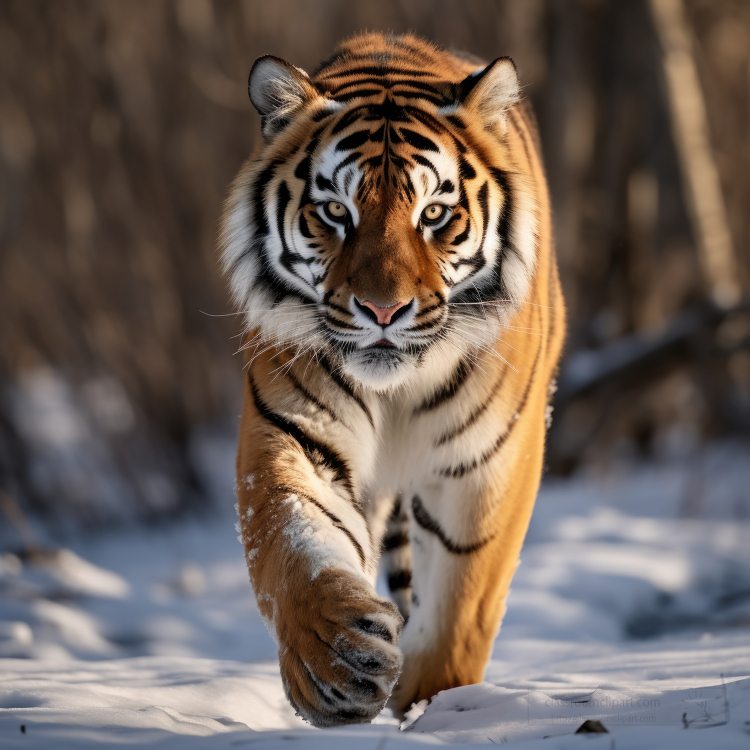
(433, 213)
(336, 210)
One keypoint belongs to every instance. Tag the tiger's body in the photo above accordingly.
(390, 247)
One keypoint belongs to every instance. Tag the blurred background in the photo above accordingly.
(123, 122)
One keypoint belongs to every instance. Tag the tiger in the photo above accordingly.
(389, 248)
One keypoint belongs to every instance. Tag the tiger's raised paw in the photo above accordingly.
(338, 650)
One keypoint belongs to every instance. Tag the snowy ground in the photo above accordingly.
(631, 605)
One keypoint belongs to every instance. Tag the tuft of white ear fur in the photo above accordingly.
(277, 90)
(490, 92)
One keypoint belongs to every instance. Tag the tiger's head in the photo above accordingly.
(382, 219)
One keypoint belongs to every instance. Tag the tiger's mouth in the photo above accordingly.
(383, 343)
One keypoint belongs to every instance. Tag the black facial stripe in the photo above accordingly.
(446, 187)
(323, 183)
(418, 141)
(323, 224)
(355, 140)
(357, 95)
(478, 261)
(302, 171)
(438, 101)
(465, 170)
(337, 308)
(345, 163)
(380, 71)
(259, 202)
(287, 257)
(423, 326)
(428, 523)
(384, 84)
(427, 163)
(427, 311)
(304, 228)
(503, 225)
(341, 324)
(445, 227)
(348, 118)
(461, 238)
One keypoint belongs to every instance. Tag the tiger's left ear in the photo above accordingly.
(491, 91)
(277, 90)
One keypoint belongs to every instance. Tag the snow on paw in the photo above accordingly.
(338, 651)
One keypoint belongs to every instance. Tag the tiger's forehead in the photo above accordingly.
(387, 149)
(405, 65)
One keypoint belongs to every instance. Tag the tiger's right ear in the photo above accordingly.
(277, 90)
(491, 91)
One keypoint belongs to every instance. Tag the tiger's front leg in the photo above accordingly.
(311, 564)
(466, 537)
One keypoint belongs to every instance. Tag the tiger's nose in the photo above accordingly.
(384, 315)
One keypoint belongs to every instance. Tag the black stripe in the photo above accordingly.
(451, 434)
(304, 228)
(358, 95)
(437, 101)
(355, 140)
(377, 70)
(338, 308)
(427, 311)
(287, 258)
(259, 207)
(335, 520)
(460, 238)
(339, 525)
(309, 396)
(345, 163)
(344, 386)
(478, 261)
(400, 580)
(503, 226)
(427, 163)
(448, 391)
(418, 141)
(465, 170)
(385, 84)
(459, 471)
(395, 541)
(348, 118)
(426, 119)
(340, 323)
(317, 453)
(428, 523)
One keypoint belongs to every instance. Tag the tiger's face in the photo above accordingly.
(372, 228)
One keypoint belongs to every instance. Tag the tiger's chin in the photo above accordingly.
(381, 368)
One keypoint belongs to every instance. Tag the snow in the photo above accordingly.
(631, 605)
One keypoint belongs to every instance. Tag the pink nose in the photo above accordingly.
(383, 314)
